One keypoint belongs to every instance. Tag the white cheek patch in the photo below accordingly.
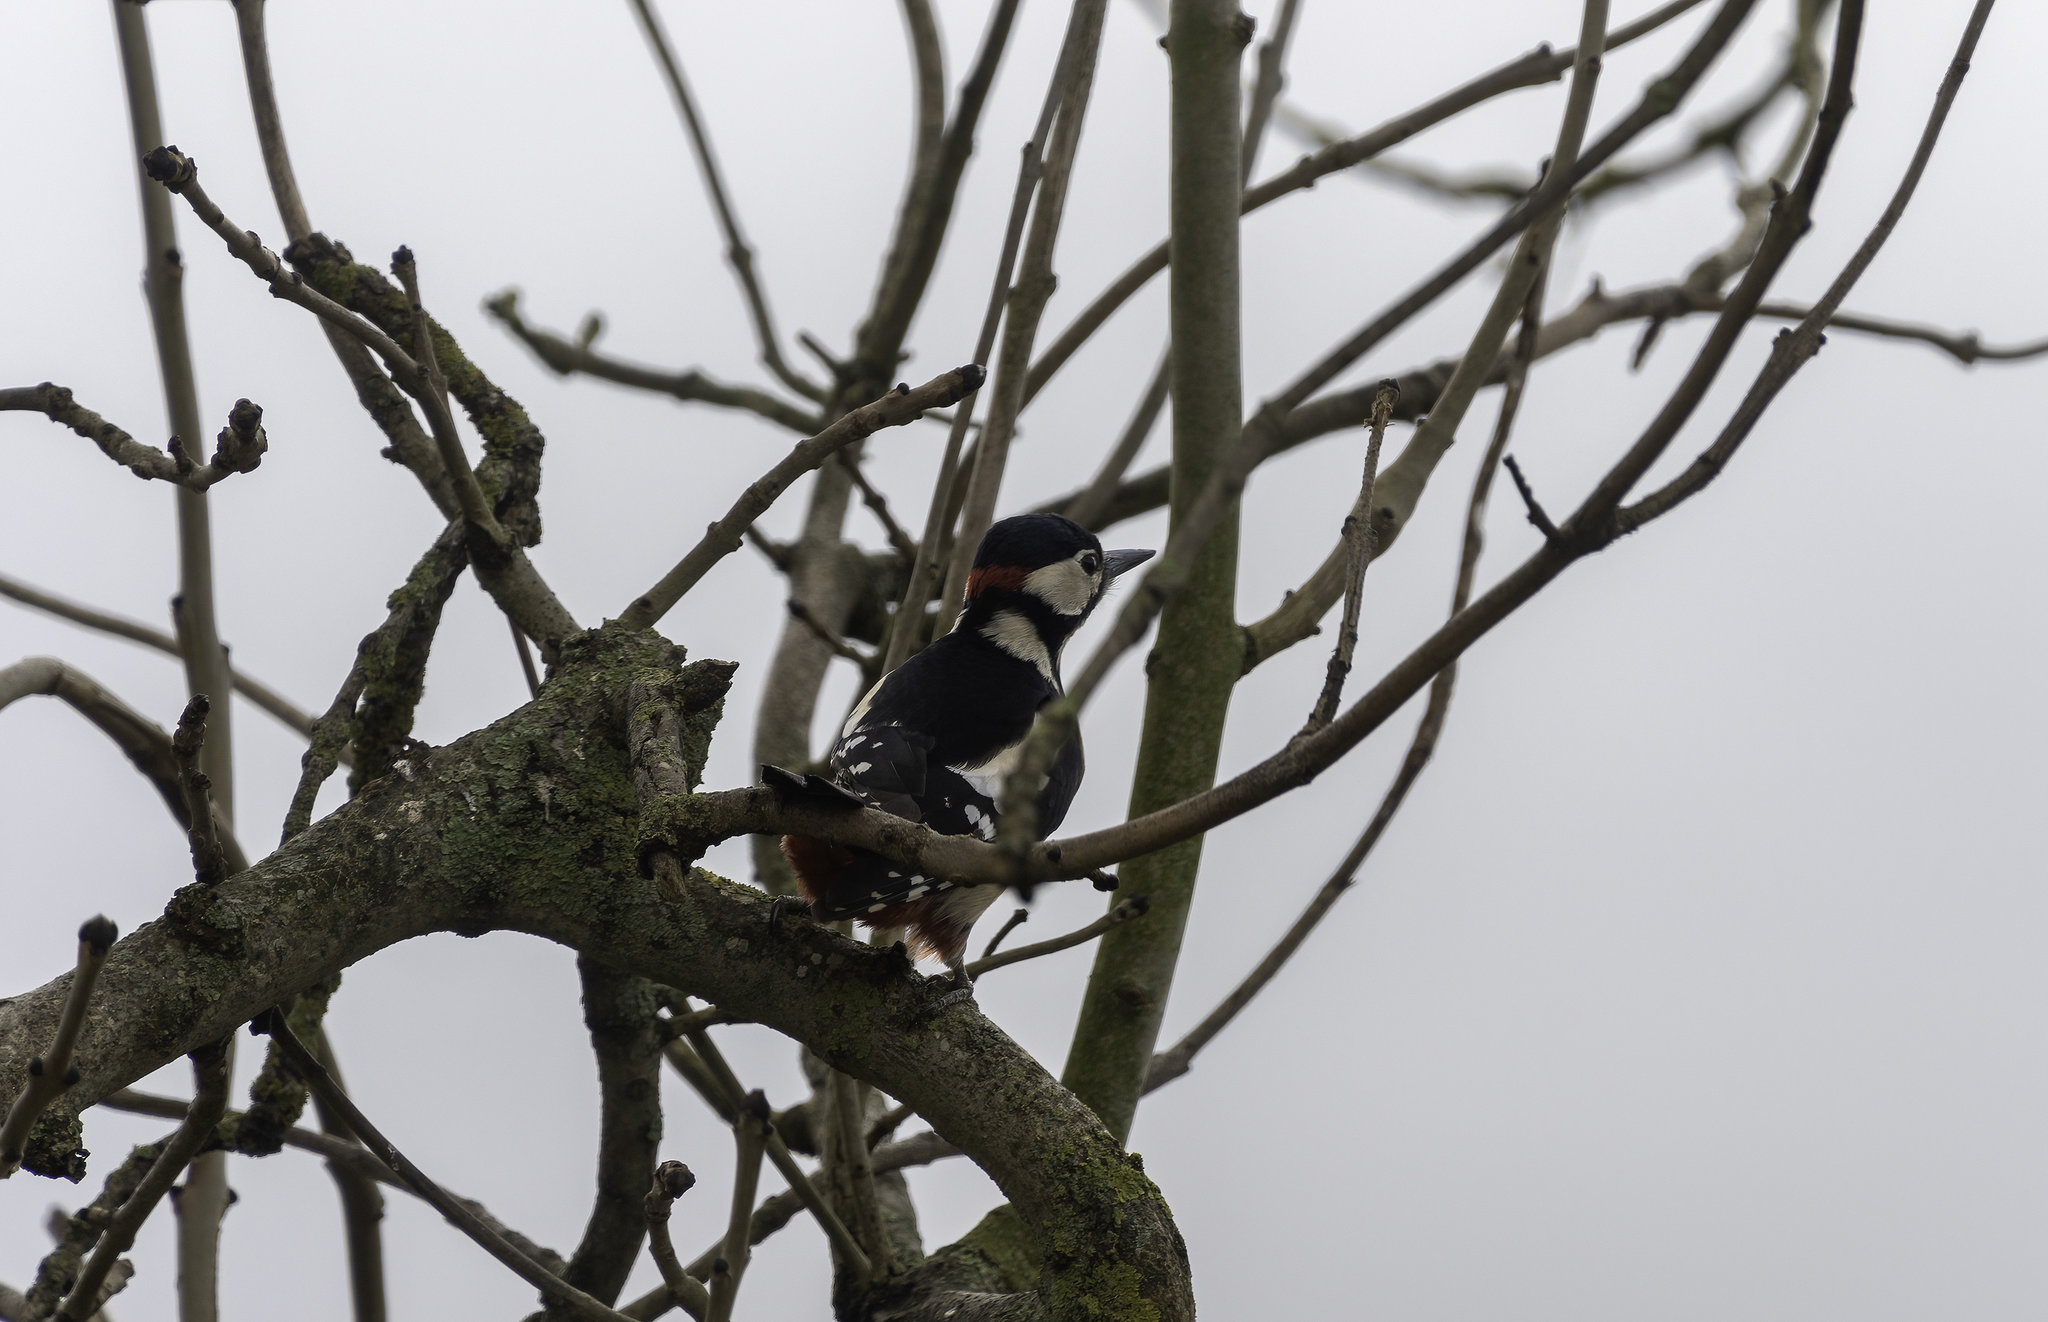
(1064, 586)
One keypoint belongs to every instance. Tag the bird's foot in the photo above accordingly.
(958, 988)
(780, 903)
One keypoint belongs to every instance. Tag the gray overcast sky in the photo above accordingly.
(1701, 976)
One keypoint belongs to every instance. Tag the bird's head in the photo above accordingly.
(1036, 578)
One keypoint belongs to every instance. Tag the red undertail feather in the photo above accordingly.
(816, 862)
(927, 930)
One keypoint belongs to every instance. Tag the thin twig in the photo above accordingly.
(1124, 910)
(362, 1206)
(1014, 921)
(142, 740)
(49, 1075)
(525, 657)
(434, 398)
(262, 695)
(900, 541)
(567, 1297)
(1965, 347)
(340, 1151)
(1534, 506)
(1794, 348)
(721, 1088)
(1173, 1062)
(672, 1179)
(1542, 65)
(210, 1066)
(209, 860)
(238, 449)
(722, 538)
(807, 617)
(567, 357)
(750, 1132)
(1361, 545)
(1025, 306)
(737, 251)
(906, 629)
(1271, 81)
(180, 174)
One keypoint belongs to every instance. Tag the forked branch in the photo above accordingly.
(238, 449)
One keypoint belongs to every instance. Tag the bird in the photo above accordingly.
(934, 739)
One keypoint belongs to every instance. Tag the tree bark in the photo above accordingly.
(532, 824)
(1198, 654)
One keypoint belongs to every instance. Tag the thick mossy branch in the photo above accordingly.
(530, 825)
(61, 1266)
(393, 658)
(278, 1096)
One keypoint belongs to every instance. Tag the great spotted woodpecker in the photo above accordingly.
(934, 739)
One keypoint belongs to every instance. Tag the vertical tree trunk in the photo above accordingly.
(1197, 657)
(205, 1198)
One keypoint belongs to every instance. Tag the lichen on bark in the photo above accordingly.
(531, 825)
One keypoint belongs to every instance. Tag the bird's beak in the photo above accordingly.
(1116, 562)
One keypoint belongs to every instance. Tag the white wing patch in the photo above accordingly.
(860, 711)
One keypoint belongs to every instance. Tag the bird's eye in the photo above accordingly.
(1090, 562)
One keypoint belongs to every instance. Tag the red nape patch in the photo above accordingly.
(816, 862)
(995, 578)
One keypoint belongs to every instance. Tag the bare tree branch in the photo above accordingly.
(238, 449)
(1794, 348)
(749, 1135)
(568, 357)
(575, 1303)
(51, 1074)
(1539, 66)
(210, 1067)
(262, 695)
(1170, 1064)
(180, 174)
(1360, 540)
(341, 1152)
(209, 858)
(141, 739)
(722, 538)
(737, 251)
(704, 1067)
(672, 1179)
(468, 493)
(1026, 302)
(1121, 912)
(929, 566)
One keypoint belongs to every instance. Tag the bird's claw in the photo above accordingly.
(780, 903)
(960, 989)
